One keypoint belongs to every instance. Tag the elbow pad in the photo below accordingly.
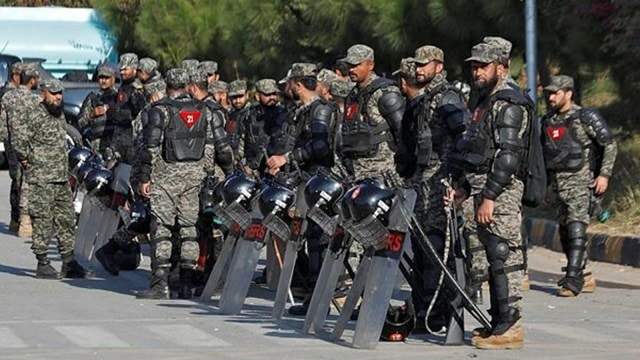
(594, 119)
(452, 109)
(509, 125)
(504, 166)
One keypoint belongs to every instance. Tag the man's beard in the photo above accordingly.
(54, 109)
(486, 86)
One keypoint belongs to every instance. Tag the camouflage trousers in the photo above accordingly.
(477, 264)
(19, 192)
(506, 225)
(176, 213)
(52, 214)
(571, 194)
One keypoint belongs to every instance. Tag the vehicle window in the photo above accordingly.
(4, 73)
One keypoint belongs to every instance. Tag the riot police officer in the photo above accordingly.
(311, 132)
(493, 149)
(93, 114)
(579, 153)
(372, 117)
(178, 153)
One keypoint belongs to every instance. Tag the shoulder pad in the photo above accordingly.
(595, 120)
(512, 115)
(321, 110)
(513, 96)
(451, 97)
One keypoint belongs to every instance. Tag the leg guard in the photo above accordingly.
(503, 313)
(575, 249)
(189, 253)
(161, 252)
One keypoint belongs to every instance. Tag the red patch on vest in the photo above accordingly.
(556, 133)
(121, 96)
(350, 112)
(190, 118)
(477, 115)
(230, 126)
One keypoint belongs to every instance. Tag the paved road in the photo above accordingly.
(100, 319)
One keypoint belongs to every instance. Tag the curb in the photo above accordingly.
(623, 250)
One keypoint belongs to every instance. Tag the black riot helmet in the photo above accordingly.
(399, 323)
(97, 178)
(371, 198)
(278, 198)
(326, 187)
(77, 156)
(88, 165)
(140, 216)
(239, 186)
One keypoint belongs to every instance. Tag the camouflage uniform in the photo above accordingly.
(380, 158)
(174, 185)
(11, 109)
(233, 127)
(97, 124)
(15, 171)
(571, 140)
(39, 139)
(504, 132)
(364, 105)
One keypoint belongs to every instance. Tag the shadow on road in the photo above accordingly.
(17, 271)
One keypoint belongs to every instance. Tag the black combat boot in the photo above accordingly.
(300, 310)
(45, 270)
(105, 256)
(186, 284)
(158, 288)
(71, 269)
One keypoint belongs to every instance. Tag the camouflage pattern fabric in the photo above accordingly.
(383, 160)
(40, 139)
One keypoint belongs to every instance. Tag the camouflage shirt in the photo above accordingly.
(41, 139)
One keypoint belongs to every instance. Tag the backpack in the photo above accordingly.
(532, 171)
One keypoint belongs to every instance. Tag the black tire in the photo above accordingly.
(73, 135)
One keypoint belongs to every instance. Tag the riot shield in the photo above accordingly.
(297, 228)
(243, 264)
(382, 274)
(96, 224)
(218, 272)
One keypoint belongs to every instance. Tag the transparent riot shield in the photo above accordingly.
(244, 261)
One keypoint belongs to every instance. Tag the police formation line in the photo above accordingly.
(332, 169)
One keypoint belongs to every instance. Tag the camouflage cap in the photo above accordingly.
(155, 86)
(209, 67)
(218, 86)
(357, 54)
(502, 44)
(267, 86)
(30, 69)
(560, 82)
(237, 88)
(106, 70)
(128, 60)
(303, 70)
(340, 88)
(148, 65)
(285, 78)
(407, 68)
(197, 76)
(426, 54)
(177, 78)
(484, 53)
(16, 67)
(189, 64)
(326, 76)
(51, 85)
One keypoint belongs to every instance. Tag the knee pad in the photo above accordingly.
(576, 230)
(162, 252)
(497, 250)
(189, 252)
